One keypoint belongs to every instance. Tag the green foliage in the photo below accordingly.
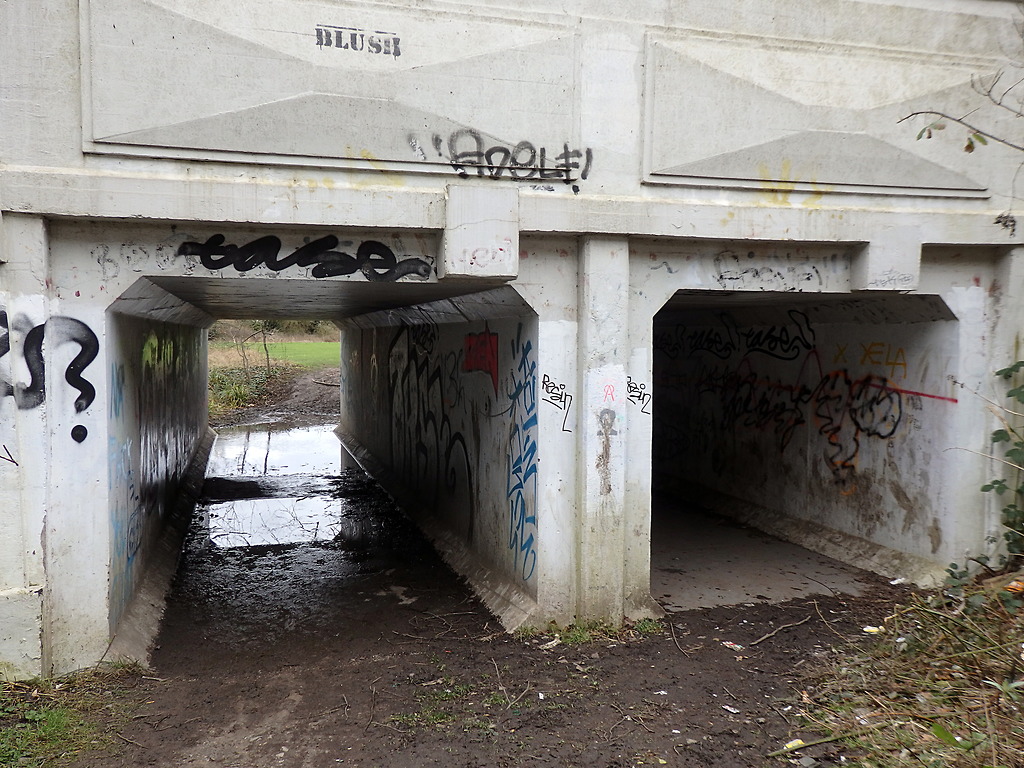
(648, 627)
(1013, 457)
(232, 388)
(586, 632)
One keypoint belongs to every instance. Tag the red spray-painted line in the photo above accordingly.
(912, 392)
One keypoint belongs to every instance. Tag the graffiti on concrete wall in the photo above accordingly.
(358, 40)
(56, 331)
(555, 393)
(469, 155)
(877, 353)
(892, 279)
(721, 364)
(637, 394)
(777, 272)
(606, 429)
(375, 260)
(846, 409)
(427, 450)
(480, 353)
(127, 511)
(521, 488)
(783, 341)
(7, 456)
(126, 518)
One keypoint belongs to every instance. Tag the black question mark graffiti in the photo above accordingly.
(5, 346)
(65, 329)
(60, 330)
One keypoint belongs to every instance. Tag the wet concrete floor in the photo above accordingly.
(286, 538)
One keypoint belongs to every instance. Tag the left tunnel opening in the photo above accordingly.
(289, 527)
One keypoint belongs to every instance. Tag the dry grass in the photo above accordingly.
(51, 722)
(942, 687)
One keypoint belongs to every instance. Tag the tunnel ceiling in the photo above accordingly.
(249, 298)
(820, 307)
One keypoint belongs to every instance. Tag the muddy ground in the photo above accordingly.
(367, 651)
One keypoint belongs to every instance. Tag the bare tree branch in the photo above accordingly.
(972, 128)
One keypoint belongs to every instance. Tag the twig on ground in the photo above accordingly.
(373, 705)
(779, 629)
(837, 737)
(672, 629)
(504, 690)
(130, 741)
(828, 624)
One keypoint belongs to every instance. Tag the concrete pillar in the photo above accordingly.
(603, 357)
(1007, 347)
(640, 404)
(24, 462)
(53, 440)
(548, 281)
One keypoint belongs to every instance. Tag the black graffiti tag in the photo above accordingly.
(845, 409)
(524, 161)
(56, 331)
(375, 260)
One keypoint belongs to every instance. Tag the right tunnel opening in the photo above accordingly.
(810, 417)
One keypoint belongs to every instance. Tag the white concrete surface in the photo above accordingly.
(389, 165)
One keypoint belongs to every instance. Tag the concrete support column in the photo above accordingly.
(637, 509)
(53, 476)
(1006, 348)
(24, 461)
(603, 357)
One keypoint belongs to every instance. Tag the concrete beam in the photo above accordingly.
(481, 233)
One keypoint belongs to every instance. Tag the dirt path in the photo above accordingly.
(367, 651)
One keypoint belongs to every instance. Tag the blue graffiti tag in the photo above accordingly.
(522, 457)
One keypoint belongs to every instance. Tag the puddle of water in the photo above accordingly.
(268, 484)
(269, 449)
(250, 522)
(285, 543)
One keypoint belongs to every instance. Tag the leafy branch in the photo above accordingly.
(977, 135)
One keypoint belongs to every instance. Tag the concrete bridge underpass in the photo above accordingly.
(524, 406)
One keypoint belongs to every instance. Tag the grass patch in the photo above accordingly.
(51, 722)
(443, 702)
(307, 354)
(941, 687)
(592, 631)
(232, 388)
(648, 627)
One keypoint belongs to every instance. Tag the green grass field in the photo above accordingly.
(309, 354)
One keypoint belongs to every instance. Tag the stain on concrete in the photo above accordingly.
(935, 535)
(606, 420)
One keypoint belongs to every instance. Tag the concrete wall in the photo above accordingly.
(156, 407)
(601, 159)
(818, 411)
(52, 401)
(445, 412)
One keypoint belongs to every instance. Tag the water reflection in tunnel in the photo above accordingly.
(269, 484)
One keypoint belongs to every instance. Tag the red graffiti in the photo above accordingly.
(481, 354)
(609, 393)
